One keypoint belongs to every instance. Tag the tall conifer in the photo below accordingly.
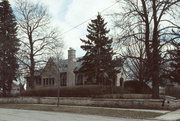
(97, 62)
(9, 45)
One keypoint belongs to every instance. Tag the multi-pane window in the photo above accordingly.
(79, 80)
(44, 82)
(48, 81)
(121, 81)
(63, 79)
(51, 81)
(38, 81)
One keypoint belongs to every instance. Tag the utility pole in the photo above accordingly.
(58, 63)
(59, 81)
(58, 90)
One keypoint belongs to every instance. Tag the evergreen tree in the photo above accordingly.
(9, 44)
(97, 62)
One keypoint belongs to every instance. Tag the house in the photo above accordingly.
(1, 89)
(65, 73)
(15, 89)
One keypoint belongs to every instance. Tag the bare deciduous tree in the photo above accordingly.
(157, 19)
(135, 61)
(37, 36)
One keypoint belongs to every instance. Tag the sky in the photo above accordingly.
(67, 14)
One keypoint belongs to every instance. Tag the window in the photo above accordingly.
(38, 81)
(121, 81)
(63, 80)
(44, 82)
(48, 81)
(51, 81)
(79, 80)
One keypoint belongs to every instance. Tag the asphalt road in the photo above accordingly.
(29, 115)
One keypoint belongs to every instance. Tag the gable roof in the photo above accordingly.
(62, 66)
(79, 65)
(36, 73)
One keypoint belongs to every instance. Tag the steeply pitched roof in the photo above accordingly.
(61, 64)
(78, 66)
(36, 73)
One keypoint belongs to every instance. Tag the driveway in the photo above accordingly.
(29, 115)
(172, 116)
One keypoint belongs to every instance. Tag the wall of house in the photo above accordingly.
(37, 78)
(15, 90)
(50, 76)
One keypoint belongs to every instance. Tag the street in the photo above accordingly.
(29, 115)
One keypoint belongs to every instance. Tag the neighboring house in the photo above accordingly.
(66, 72)
(1, 89)
(15, 89)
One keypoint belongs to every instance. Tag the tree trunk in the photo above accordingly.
(155, 55)
(147, 41)
(32, 66)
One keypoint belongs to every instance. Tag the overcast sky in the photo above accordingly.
(67, 14)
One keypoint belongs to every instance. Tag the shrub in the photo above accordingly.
(129, 96)
(173, 91)
(80, 91)
(138, 86)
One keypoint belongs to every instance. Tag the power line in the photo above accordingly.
(87, 19)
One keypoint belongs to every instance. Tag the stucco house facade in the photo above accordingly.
(65, 73)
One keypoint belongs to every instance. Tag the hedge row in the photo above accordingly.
(138, 87)
(173, 91)
(83, 91)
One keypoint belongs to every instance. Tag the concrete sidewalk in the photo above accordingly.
(171, 116)
(31, 115)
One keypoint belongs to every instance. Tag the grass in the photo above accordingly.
(84, 110)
